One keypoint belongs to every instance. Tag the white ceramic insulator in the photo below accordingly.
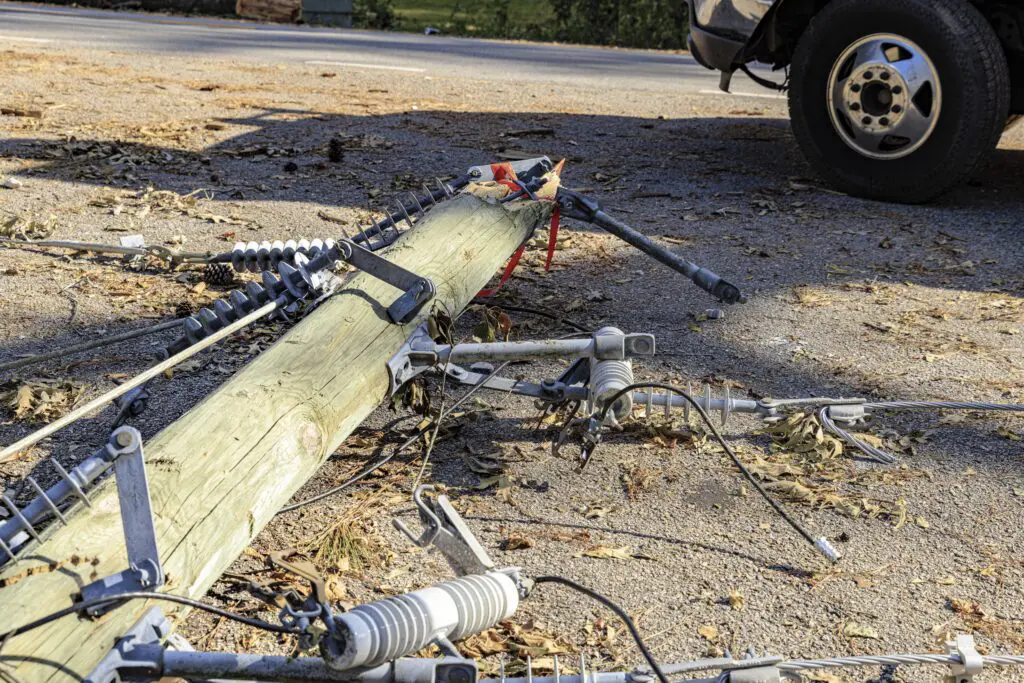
(607, 377)
(385, 630)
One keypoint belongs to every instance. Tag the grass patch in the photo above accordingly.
(521, 19)
(348, 545)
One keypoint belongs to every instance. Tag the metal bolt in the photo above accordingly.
(896, 89)
(855, 87)
(884, 121)
(124, 439)
(884, 75)
(868, 75)
(866, 120)
(855, 106)
(896, 109)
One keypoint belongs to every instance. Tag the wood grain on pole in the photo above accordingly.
(219, 473)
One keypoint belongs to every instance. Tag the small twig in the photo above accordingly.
(65, 291)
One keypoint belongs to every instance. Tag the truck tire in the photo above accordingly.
(898, 100)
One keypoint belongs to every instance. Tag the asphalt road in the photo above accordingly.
(602, 68)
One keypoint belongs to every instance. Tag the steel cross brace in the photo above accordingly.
(420, 353)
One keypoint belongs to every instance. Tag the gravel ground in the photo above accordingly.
(847, 298)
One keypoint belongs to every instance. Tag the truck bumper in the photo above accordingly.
(710, 50)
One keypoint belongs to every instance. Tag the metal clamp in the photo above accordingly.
(445, 530)
(144, 570)
(137, 652)
(301, 568)
(971, 661)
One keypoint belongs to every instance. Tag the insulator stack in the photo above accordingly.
(291, 283)
(256, 257)
(608, 377)
(383, 233)
(725, 406)
(22, 525)
(384, 630)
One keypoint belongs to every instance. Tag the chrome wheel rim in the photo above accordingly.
(884, 96)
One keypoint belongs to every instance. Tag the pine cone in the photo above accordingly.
(219, 275)
(336, 150)
(184, 309)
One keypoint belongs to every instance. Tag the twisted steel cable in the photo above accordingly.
(886, 458)
(896, 660)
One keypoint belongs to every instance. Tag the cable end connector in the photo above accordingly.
(827, 549)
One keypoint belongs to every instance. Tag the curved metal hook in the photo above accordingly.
(431, 521)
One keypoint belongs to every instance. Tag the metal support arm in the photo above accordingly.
(144, 570)
(579, 207)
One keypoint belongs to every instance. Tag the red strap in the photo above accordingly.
(552, 236)
(512, 263)
(502, 171)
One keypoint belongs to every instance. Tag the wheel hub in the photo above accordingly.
(884, 96)
(876, 98)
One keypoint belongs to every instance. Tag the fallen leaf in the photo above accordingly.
(708, 632)
(604, 552)
(518, 542)
(852, 629)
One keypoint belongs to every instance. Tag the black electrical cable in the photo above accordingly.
(145, 595)
(386, 459)
(721, 440)
(92, 344)
(764, 82)
(619, 612)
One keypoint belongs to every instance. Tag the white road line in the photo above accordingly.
(357, 65)
(19, 39)
(743, 94)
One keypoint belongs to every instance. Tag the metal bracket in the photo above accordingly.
(410, 361)
(137, 650)
(144, 570)
(971, 662)
(445, 530)
(418, 290)
(548, 391)
(419, 353)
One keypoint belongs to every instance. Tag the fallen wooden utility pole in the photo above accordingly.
(219, 473)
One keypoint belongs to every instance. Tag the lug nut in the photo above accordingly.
(855, 87)
(883, 121)
(884, 75)
(868, 75)
(896, 90)
(855, 106)
(896, 109)
(866, 120)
